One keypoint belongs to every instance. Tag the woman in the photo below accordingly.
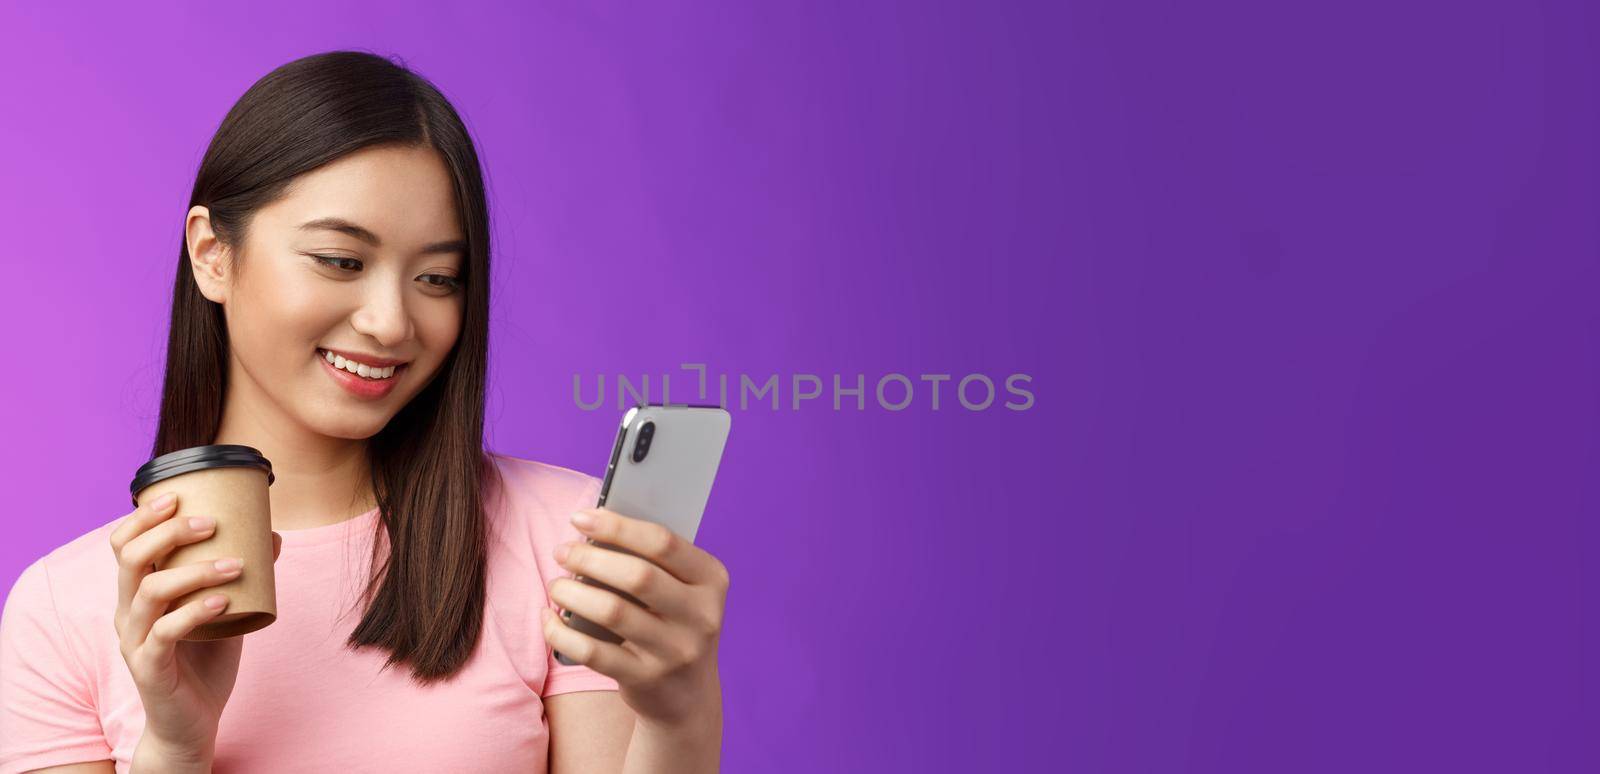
(330, 310)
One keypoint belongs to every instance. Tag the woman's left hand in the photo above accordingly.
(666, 667)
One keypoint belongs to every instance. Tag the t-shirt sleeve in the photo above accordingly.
(47, 713)
(559, 677)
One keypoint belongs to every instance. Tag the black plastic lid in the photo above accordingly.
(222, 455)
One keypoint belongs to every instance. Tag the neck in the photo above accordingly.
(318, 479)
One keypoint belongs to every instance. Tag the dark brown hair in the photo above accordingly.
(430, 470)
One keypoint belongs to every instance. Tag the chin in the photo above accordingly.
(355, 426)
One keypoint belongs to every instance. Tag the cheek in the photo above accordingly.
(438, 329)
(278, 323)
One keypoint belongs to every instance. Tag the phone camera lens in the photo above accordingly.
(641, 446)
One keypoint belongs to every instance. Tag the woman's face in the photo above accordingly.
(362, 256)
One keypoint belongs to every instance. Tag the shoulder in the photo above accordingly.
(62, 605)
(529, 517)
(529, 483)
(31, 614)
(72, 578)
(538, 498)
(30, 594)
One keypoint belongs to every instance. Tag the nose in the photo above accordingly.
(384, 316)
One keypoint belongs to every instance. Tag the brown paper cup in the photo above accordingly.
(227, 482)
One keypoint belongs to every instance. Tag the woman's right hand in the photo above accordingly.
(183, 684)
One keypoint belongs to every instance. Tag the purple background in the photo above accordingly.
(1306, 294)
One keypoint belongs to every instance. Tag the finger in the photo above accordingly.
(628, 620)
(156, 543)
(648, 539)
(146, 515)
(133, 525)
(603, 657)
(277, 546)
(635, 579)
(158, 589)
(640, 578)
(140, 554)
(174, 626)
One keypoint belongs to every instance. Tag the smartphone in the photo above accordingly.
(662, 464)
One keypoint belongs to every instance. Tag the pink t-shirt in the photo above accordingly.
(303, 701)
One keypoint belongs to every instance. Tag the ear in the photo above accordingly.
(208, 257)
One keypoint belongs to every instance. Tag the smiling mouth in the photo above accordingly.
(354, 369)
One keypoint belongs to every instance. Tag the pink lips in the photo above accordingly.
(357, 386)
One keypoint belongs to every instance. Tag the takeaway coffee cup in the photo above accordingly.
(227, 482)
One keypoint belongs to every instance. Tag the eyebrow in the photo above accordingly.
(346, 227)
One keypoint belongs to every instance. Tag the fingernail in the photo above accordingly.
(216, 601)
(200, 522)
(164, 502)
(562, 551)
(583, 519)
(228, 565)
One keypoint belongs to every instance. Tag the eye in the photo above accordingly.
(452, 284)
(449, 282)
(331, 261)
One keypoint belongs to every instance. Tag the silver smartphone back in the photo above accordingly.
(663, 462)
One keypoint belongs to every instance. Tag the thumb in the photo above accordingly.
(277, 546)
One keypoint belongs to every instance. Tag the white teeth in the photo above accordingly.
(359, 369)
